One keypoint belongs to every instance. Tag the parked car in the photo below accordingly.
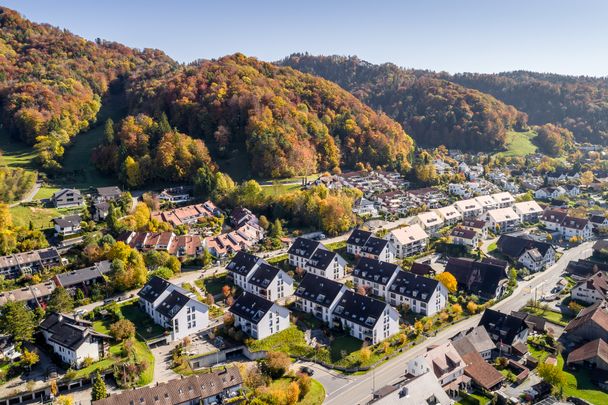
(307, 370)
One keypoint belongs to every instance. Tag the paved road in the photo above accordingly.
(30, 195)
(358, 389)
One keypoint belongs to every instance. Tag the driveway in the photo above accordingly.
(330, 379)
(163, 363)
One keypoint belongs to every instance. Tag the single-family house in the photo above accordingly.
(509, 332)
(485, 278)
(478, 225)
(67, 225)
(593, 354)
(591, 290)
(530, 253)
(67, 197)
(465, 237)
(107, 194)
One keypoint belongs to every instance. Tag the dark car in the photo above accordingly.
(307, 370)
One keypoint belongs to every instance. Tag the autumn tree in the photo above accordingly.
(29, 358)
(365, 353)
(276, 364)
(472, 307)
(99, 390)
(448, 280)
(122, 329)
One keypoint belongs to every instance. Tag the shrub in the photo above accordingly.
(276, 364)
(122, 329)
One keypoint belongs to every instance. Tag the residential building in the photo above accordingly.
(477, 225)
(365, 318)
(483, 374)
(487, 202)
(553, 218)
(509, 332)
(408, 241)
(243, 238)
(326, 263)
(449, 214)
(478, 336)
(503, 199)
(528, 211)
(532, 254)
(173, 308)
(187, 215)
(269, 282)
(429, 196)
(83, 278)
(590, 323)
(301, 250)
(74, 341)
(408, 392)
(469, 208)
(357, 240)
(68, 225)
(379, 249)
(177, 245)
(567, 226)
(535, 323)
(430, 221)
(34, 261)
(318, 296)
(365, 208)
(259, 317)
(242, 266)
(593, 354)
(591, 290)
(33, 296)
(241, 216)
(485, 278)
(502, 220)
(176, 195)
(67, 197)
(422, 269)
(549, 193)
(107, 194)
(583, 269)
(422, 295)
(210, 388)
(373, 275)
(465, 237)
(447, 365)
(101, 210)
(599, 223)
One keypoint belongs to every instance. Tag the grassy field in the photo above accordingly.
(16, 153)
(279, 189)
(552, 316)
(40, 217)
(473, 399)
(45, 193)
(519, 144)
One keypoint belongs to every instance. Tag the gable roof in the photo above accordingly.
(153, 288)
(374, 246)
(68, 332)
(359, 309)
(251, 307)
(68, 221)
(585, 268)
(242, 263)
(321, 259)
(553, 215)
(303, 247)
(64, 192)
(515, 245)
(596, 348)
(422, 269)
(358, 237)
(502, 327)
(478, 276)
(320, 290)
(596, 313)
(98, 270)
(413, 286)
(109, 192)
(475, 366)
(173, 303)
(375, 270)
(533, 321)
(597, 282)
(263, 275)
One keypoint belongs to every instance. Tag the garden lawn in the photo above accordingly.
(40, 217)
(473, 399)
(278, 259)
(143, 324)
(290, 341)
(344, 343)
(552, 316)
(213, 285)
(45, 193)
(315, 396)
(279, 189)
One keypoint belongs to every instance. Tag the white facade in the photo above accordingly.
(487, 202)
(534, 261)
(408, 240)
(321, 312)
(503, 220)
(280, 287)
(274, 321)
(469, 208)
(449, 214)
(591, 291)
(385, 327)
(436, 303)
(503, 199)
(377, 288)
(430, 221)
(334, 271)
(88, 349)
(528, 211)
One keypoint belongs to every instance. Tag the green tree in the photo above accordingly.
(276, 230)
(108, 131)
(122, 329)
(61, 301)
(99, 388)
(17, 321)
(29, 359)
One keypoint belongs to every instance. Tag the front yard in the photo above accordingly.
(555, 317)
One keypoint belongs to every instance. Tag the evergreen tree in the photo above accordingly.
(108, 131)
(16, 320)
(99, 388)
(276, 230)
(61, 301)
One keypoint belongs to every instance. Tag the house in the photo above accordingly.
(241, 216)
(176, 195)
(365, 318)
(535, 323)
(429, 196)
(469, 208)
(591, 323)
(326, 263)
(572, 190)
(101, 210)
(33, 296)
(408, 392)
(449, 214)
(83, 278)
(510, 333)
(173, 308)
(379, 249)
(68, 225)
(422, 269)
(593, 354)
(483, 374)
(243, 238)
(567, 226)
(187, 215)
(487, 202)
(374, 275)
(365, 208)
(477, 225)
(357, 240)
(599, 223)
(318, 296)
(465, 237)
(177, 245)
(503, 199)
(422, 295)
(269, 282)
(478, 336)
(8, 349)
(258, 317)
(107, 194)
(553, 218)
(600, 247)
(583, 269)
(591, 290)
(213, 387)
(67, 197)
(74, 341)
(430, 221)
(34, 261)
(502, 220)
(301, 250)
(532, 254)
(408, 241)
(485, 278)
(549, 193)
(447, 365)
(528, 211)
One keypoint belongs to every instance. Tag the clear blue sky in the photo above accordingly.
(452, 35)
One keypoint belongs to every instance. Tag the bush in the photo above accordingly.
(122, 329)
(276, 364)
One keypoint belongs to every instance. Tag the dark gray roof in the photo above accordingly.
(263, 275)
(171, 305)
(320, 290)
(359, 309)
(67, 332)
(251, 307)
(153, 288)
(413, 286)
(61, 193)
(515, 246)
(374, 246)
(358, 237)
(502, 327)
(463, 233)
(321, 259)
(83, 275)
(422, 269)
(68, 221)
(242, 263)
(48, 254)
(109, 192)
(303, 247)
(375, 270)
(585, 268)
(477, 276)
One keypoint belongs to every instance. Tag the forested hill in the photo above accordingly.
(52, 82)
(577, 103)
(433, 110)
(287, 122)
